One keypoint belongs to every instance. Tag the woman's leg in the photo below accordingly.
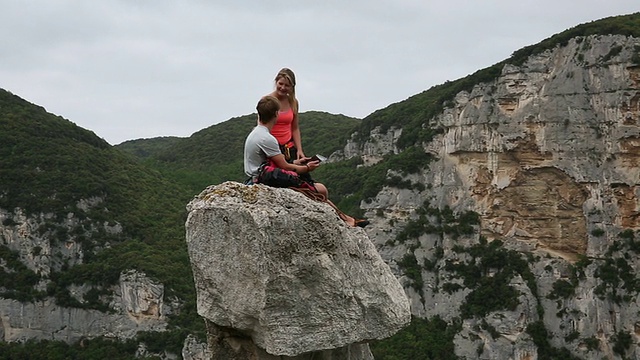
(346, 218)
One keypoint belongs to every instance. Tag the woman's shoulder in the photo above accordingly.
(285, 105)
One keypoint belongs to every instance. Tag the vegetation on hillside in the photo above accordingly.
(422, 339)
(215, 154)
(95, 349)
(146, 148)
(51, 166)
(350, 183)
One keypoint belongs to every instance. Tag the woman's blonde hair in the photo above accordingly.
(288, 75)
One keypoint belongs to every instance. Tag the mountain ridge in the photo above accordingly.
(381, 169)
(215, 154)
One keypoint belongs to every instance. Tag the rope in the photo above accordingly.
(311, 194)
(314, 195)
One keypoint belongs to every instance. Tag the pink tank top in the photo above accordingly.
(282, 129)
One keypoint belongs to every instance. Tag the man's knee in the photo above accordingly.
(322, 189)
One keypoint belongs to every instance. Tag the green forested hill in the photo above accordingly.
(48, 165)
(214, 154)
(146, 148)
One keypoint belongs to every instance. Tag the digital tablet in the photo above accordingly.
(318, 158)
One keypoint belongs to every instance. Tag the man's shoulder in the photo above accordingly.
(261, 133)
(256, 131)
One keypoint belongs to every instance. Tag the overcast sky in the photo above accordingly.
(129, 69)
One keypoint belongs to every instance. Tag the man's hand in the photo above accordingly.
(312, 165)
(302, 161)
(306, 161)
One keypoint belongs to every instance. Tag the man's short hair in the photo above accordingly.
(267, 108)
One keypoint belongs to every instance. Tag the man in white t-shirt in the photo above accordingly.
(261, 146)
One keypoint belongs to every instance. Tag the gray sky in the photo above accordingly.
(129, 69)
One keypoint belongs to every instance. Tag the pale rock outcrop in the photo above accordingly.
(46, 244)
(371, 151)
(195, 350)
(35, 246)
(278, 270)
(142, 298)
(137, 304)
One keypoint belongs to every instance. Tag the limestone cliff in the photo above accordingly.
(137, 302)
(548, 156)
(278, 274)
(137, 305)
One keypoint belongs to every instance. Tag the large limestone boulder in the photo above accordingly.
(284, 270)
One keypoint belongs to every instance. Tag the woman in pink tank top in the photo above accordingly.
(286, 129)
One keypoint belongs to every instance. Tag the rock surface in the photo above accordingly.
(548, 156)
(284, 270)
(137, 306)
(227, 344)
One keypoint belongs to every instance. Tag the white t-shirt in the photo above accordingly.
(258, 147)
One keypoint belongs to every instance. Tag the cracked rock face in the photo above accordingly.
(539, 152)
(548, 156)
(286, 272)
(548, 140)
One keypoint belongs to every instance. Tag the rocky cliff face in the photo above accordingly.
(278, 274)
(35, 241)
(137, 304)
(548, 156)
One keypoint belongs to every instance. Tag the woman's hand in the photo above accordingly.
(301, 155)
(302, 161)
